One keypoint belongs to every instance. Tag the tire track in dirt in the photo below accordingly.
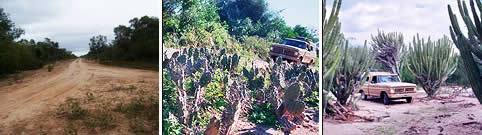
(27, 100)
(32, 97)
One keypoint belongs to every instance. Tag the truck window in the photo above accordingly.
(388, 78)
(294, 43)
(374, 79)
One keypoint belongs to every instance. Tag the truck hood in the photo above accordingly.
(285, 46)
(397, 84)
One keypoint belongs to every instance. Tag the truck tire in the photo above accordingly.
(386, 101)
(363, 96)
(409, 100)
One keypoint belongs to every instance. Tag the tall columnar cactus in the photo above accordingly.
(431, 62)
(390, 50)
(332, 40)
(470, 48)
(356, 63)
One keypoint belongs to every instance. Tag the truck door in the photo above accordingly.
(374, 91)
(367, 82)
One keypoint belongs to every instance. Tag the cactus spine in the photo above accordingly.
(470, 48)
(431, 62)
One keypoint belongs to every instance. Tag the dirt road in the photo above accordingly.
(40, 91)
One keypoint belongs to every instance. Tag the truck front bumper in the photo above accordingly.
(401, 95)
(285, 56)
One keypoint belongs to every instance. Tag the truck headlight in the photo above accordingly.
(271, 48)
(392, 90)
(296, 53)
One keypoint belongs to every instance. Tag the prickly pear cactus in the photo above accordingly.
(255, 82)
(198, 65)
(291, 110)
(292, 105)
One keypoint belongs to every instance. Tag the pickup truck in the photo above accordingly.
(295, 49)
(387, 86)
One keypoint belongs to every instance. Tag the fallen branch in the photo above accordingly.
(471, 122)
(343, 108)
(363, 117)
(337, 111)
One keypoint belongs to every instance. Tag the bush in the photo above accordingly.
(50, 67)
(263, 114)
(72, 110)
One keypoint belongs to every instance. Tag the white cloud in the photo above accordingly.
(361, 18)
(72, 23)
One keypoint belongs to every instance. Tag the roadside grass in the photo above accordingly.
(132, 64)
(141, 112)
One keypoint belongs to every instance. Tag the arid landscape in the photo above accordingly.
(448, 116)
(80, 96)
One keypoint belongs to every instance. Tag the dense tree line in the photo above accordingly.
(137, 42)
(25, 54)
(224, 22)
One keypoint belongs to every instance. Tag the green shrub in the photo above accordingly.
(72, 110)
(50, 67)
(103, 119)
(216, 90)
(262, 114)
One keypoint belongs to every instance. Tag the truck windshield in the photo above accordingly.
(388, 78)
(294, 43)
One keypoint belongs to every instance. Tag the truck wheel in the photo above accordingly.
(409, 100)
(363, 96)
(386, 101)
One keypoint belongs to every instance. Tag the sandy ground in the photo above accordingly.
(458, 116)
(29, 102)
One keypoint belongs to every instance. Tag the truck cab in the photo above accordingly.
(387, 86)
(297, 49)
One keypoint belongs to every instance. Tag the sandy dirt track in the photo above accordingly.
(41, 90)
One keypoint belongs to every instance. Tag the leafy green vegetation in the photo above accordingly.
(263, 115)
(201, 23)
(25, 54)
(133, 45)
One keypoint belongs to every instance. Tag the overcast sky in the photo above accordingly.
(361, 18)
(73, 22)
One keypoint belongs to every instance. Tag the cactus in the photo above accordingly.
(431, 62)
(470, 48)
(331, 41)
(290, 112)
(355, 65)
(198, 65)
(390, 50)
(236, 98)
(254, 82)
(293, 106)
